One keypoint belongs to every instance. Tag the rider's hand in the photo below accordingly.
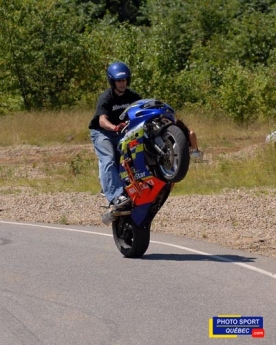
(119, 127)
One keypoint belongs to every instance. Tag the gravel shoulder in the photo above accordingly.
(241, 219)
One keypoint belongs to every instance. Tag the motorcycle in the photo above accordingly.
(153, 156)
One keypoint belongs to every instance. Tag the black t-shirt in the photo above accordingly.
(113, 105)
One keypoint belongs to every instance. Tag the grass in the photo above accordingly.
(238, 155)
(45, 128)
(76, 173)
(223, 167)
(258, 171)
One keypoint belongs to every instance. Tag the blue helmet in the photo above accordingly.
(116, 71)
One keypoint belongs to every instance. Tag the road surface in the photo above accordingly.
(70, 285)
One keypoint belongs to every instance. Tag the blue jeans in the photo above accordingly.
(105, 145)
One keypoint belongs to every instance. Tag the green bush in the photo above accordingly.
(216, 54)
(245, 95)
(238, 96)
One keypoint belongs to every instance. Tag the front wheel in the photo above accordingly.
(131, 240)
(174, 164)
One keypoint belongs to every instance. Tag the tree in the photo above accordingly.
(120, 10)
(43, 52)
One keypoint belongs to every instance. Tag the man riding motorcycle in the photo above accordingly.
(105, 130)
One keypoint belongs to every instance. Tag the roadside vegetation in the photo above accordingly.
(218, 55)
(235, 156)
(214, 61)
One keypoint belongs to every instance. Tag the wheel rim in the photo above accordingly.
(170, 161)
(131, 241)
(125, 235)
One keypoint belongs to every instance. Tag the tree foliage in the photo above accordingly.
(43, 50)
(217, 54)
(120, 10)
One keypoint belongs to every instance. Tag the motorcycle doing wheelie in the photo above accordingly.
(154, 154)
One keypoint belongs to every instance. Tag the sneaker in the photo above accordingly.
(120, 201)
(196, 154)
(102, 192)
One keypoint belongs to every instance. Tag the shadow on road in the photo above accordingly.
(198, 257)
(4, 241)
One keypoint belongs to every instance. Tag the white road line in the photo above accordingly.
(216, 257)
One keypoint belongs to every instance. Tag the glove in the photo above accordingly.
(119, 127)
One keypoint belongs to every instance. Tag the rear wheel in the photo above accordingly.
(174, 164)
(131, 240)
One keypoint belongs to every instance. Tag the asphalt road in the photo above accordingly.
(70, 285)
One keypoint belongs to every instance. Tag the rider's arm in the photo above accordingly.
(106, 124)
